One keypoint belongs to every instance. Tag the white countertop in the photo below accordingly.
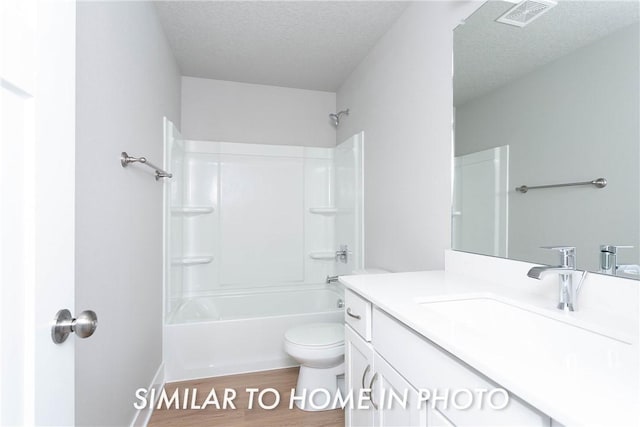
(572, 386)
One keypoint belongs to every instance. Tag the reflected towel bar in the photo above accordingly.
(125, 159)
(598, 183)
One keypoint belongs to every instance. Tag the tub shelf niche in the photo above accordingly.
(192, 260)
(191, 210)
(324, 210)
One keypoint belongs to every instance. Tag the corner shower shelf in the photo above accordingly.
(323, 255)
(192, 260)
(191, 210)
(327, 210)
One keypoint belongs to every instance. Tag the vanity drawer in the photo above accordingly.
(357, 314)
(428, 367)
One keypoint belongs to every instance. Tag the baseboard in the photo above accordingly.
(142, 416)
(231, 369)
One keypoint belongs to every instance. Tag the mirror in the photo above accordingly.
(548, 95)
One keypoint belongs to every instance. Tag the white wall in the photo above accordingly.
(217, 110)
(400, 95)
(127, 80)
(575, 119)
(261, 231)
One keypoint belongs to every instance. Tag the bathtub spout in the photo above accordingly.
(331, 279)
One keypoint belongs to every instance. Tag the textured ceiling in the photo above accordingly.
(300, 44)
(488, 54)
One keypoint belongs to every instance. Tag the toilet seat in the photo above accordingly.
(316, 335)
(316, 345)
(319, 349)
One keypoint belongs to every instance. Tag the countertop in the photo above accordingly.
(573, 388)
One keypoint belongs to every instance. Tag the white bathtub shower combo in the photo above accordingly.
(251, 234)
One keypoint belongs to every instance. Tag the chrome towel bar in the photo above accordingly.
(598, 183)
(125, 159)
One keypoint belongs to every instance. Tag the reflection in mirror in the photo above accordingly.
(552, 102)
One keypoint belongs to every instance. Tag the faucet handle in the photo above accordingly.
(560, 248)
(614, 248)
(567, 254)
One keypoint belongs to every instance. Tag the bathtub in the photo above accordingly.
(234, 333)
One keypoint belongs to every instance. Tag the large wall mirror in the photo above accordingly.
(548, 94)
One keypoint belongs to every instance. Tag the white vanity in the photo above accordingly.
(447, 330)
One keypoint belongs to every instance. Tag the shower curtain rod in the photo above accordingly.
(125, 159)
(598, 183)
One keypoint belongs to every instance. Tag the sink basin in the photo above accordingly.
(525, 347)
(512, 320)
(521, 332)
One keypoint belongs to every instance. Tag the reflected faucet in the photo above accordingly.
(609, 258)
(568, 291)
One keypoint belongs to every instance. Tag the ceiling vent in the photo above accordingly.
(526, 12)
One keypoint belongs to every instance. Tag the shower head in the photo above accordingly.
(335, 117)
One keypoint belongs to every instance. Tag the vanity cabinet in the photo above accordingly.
(366, 370)
(436, 419)
(394, 358)
(358, 358)
(388, 396)
(357, 314)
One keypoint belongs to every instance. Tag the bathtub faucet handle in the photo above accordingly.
(331, 279)
(342, 255)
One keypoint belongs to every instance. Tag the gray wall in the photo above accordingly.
(574, 119)
(401, 96)
(218, 110)
(127, 80)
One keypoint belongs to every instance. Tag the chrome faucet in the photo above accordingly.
(342, 255)
(331, 279)
(609, 258)
(568, 291)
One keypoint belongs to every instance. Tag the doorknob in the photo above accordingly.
(84, 325)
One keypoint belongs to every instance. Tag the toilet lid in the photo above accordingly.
(316, 334)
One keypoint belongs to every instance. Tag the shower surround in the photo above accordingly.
(251, 233)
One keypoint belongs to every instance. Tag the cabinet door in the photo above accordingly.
(436, 419)
(397, 402)
(358, 356)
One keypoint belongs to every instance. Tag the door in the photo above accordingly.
(348, 163)
(436, 419)
(397, 401)
(358, 358)
(37, 173)
(480, 219)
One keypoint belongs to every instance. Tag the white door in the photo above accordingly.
(480, 218)
(398, 401)
(348, 162)
(436, 419)
(37, 172)
(358, 360)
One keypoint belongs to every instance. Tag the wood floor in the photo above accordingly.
(282, 380)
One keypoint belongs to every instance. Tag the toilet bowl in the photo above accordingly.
(319, 348)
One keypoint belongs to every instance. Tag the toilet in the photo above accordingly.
(319, 348)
